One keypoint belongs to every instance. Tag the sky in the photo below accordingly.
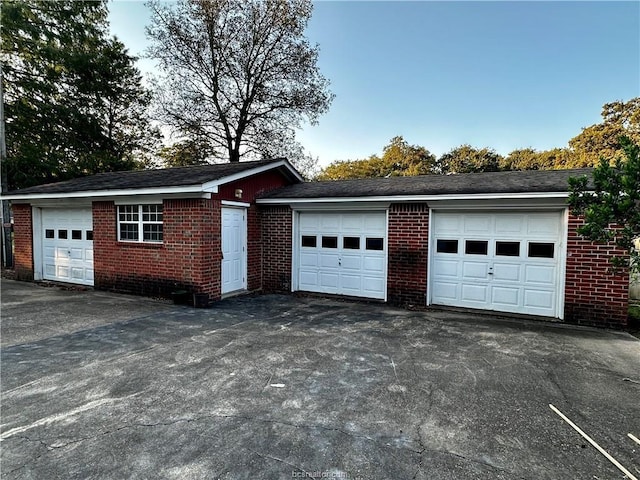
(503, 75)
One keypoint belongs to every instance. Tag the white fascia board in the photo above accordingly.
(413, 198)
(229, 203)
(248, 173)
(108, 193)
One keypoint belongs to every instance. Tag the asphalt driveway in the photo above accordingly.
(283, 387)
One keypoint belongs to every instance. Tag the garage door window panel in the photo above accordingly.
(309, 241)
(62, 234)
(329, 242)
(476, 247)
(508, 249)
(351, 243)
(447, 246)
(375, 243)
(49, 233)
(541, 250)
(140, 223)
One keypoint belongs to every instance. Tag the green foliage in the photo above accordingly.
(74, 102)
(602, 139)
(530, 159)
(398, 159)
(611, 206)
(238, 75)
(185, 153)
(467, 159)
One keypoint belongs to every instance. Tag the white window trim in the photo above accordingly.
(140, 224)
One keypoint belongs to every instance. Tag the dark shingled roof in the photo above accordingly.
(137, 179)
(469, 183)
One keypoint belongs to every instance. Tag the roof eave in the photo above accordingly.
(413, 198)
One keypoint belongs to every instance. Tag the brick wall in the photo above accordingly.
(408, 248)
(189, 256)
(593, 294)
(254, 249)
(23, 241)
(276, 248)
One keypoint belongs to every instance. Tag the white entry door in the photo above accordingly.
(234, 249)
(509, 262)
(67, 245)
(342, 253)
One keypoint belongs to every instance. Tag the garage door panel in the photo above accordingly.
(514, 281)
(308, 259)
(89, 255)
(76, 254)
(506, 272)
(444, 290)
(329, 260)
(477, 270)
(474, 293)
(477, 225)
(505, 296)
(331, 280)
(373, 264)
(446, 268)
(509, 225)
(342, 261)
(539, 299)
(540, 274)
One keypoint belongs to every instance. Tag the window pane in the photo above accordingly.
(128, 213)
(309, 241)
(151, 213)
(128, 231)
(447, 246)
(329, 242)
(152, 233)
(352, 243)
(476, 247)
(375, 243)
(76, 234)
(508, 249)
(541, 250)
(49, 234)
(62, 234)
(89, 234)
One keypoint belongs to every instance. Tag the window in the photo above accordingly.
(49, 233)
(447, 246)
(76, 234)
(62, 234)
(351, 243)
(309, 241)
(89, 234)
(134, 219)
(375, 243)
(508, 249)
(541, 250)
(476, 247)
(329, 242)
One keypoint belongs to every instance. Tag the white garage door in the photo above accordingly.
(342, 253)
(508, 262)
(67, 245)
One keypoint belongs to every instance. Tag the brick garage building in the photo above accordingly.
(149, 232)
(501, 241)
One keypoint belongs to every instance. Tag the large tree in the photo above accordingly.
(74, 102)
(239, 75)
(467, 159)
(611, 204)
(399, 158)
(619, 119)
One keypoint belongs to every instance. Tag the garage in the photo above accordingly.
(507, 261)
(67, 245)
(342, 253)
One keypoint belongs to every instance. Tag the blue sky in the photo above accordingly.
(504, 75)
